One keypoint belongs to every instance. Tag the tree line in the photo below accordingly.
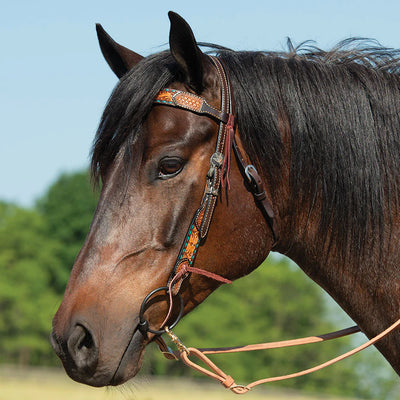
(38, 246)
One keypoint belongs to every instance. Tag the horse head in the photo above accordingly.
(153, 162)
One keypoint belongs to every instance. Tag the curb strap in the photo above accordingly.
(183, 271)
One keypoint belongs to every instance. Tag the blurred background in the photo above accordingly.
(54, 84)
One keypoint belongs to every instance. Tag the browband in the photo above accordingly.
(191, 102)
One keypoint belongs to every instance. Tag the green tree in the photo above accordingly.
(68, 207)
(37, 251)
(28, 268)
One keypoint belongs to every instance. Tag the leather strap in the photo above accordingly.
(214, 183)
(256, 187)
(191, 102)
(200, 224)
(216, 373)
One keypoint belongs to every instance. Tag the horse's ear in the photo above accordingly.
(118, 57)
(185, 51)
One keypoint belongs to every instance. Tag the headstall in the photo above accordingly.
(197, 232)
(217, 174)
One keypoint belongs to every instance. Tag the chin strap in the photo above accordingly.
(184, 270)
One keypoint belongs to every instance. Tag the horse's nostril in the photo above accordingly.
(82, 348)
(56, 345)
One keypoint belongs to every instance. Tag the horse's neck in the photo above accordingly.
(368, 290)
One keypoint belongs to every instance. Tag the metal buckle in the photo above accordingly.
(248, 171)
(211, 190)
(216, 161)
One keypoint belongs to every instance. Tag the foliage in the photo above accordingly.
(68, 208)
(28, 270)
(37, 251)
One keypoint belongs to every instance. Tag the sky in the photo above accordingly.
(54, 82)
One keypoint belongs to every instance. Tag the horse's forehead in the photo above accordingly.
(167, 125)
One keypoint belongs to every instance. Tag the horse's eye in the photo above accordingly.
(169, 167)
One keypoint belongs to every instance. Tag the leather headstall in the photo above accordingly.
(218, 172)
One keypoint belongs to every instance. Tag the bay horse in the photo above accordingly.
(322, 130)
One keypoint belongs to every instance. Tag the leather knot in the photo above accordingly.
(228, 382)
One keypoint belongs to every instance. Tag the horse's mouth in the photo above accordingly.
(131, 359)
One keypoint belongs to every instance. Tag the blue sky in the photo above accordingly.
(54, 82)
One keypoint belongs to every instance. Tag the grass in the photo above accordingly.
(53, 384)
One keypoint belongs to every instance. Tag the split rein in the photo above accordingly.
(197, 232)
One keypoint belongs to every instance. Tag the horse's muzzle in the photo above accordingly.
(79, 353)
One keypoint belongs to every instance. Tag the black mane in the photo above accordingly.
(343, 110)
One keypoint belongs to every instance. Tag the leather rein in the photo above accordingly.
(198, 230)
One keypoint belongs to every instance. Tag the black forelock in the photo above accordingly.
(128, 107)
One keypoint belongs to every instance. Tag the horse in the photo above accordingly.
(321, 130)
